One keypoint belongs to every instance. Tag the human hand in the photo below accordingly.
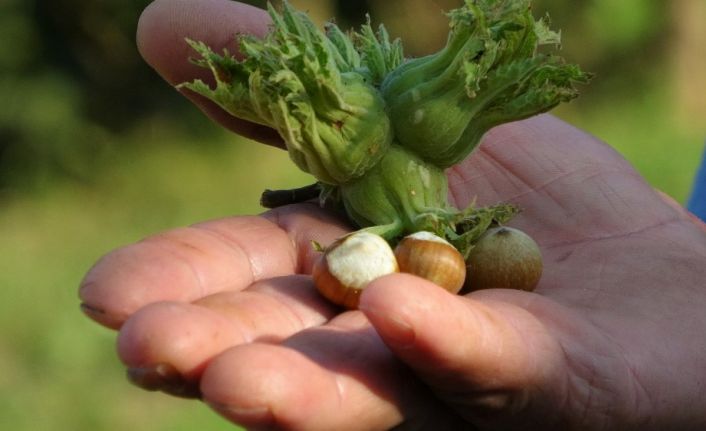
(611, 339)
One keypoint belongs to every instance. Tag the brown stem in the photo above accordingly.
(277, 198)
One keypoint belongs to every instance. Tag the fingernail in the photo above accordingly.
(91, 310)
(163, 377)
(394, 331)
(102, 316)
(251, 417)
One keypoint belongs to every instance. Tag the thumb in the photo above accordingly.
(485, 358)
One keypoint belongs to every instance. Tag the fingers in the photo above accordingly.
(182, 338)
(165, 24)
(231, 350)
(190, 263)
(481, 357)
(338, 376)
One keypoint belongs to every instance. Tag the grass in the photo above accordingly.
(60, 371)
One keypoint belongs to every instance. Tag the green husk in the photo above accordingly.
(376, 130)
(489, 73)
(309, 87)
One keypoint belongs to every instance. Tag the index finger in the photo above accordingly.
(190, 263)
(161, 33)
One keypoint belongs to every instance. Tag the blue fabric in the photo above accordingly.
(697, 201)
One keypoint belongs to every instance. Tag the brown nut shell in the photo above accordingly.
(333, 289)
(349, 264)
(504, 258)
(431, 257)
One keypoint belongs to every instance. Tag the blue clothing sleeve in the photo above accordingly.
(697, 201)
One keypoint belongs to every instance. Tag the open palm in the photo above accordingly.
(611, 339)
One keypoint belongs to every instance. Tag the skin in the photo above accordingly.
(611, 339)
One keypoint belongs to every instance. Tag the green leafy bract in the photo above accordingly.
(317, 90)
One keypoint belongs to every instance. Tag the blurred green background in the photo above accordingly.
(96, 152)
